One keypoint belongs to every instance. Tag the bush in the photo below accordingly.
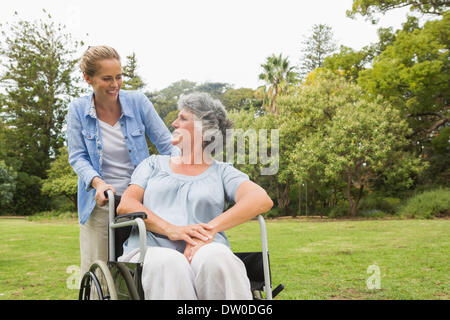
(372, 213)
(341, 209)
(274, 213)
(427, 205)
(28, 198)
(376, 202)
(53, 215)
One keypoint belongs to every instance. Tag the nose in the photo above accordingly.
(175, 123)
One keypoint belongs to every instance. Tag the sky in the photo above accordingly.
(203, 40)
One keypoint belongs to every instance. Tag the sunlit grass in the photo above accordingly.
(314, 260)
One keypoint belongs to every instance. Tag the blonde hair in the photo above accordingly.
(94, 54)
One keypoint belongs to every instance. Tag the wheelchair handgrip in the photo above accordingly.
(130, 216)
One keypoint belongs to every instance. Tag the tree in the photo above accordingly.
(247, 126)
(306, 110)
(278, 74)
(7, 185)
(132, 81)
(215, 89)
(242, 98)
(165, 100)
(369, 8)
(349, 62)
(38, 65)
(316, 47)
(354, 140)
(62, 180)
(413, 74)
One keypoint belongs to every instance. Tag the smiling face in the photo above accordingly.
(188, 132)
(184, 126)
(107, 81)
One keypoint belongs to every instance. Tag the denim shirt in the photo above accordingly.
(139, 118)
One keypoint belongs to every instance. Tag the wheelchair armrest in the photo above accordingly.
(130, 216)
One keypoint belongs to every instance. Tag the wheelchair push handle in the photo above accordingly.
(109, 194)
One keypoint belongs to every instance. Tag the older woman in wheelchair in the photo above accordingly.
(186, 254)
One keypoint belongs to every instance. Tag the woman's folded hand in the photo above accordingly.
(191, 250)
(192, 233)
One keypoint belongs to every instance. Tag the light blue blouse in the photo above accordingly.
(183, 200)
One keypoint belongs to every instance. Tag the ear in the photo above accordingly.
(87, 78)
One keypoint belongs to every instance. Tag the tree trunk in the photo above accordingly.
(353, 203)
(283, 195)
(349, 194)
(306, 198)
(75, 201)
(273, 104)
(313, 204)
(300, 199)
(361, 189)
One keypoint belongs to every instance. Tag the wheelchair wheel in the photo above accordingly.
(97, 283)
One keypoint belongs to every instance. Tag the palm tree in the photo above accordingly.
(277, 74)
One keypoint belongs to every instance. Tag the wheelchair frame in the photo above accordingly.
(137, 219)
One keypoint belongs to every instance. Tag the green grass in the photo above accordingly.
(34, 258)
(314, 260)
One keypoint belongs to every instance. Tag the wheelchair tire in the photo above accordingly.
(97, 283)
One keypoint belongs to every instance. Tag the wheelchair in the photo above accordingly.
(115, 280)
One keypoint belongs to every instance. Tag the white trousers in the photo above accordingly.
(215, 273)
(94, 238)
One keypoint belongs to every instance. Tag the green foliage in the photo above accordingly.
(277, 74)
(131, 81)
(37, 66)
(370, 8)
(413, 74)
(441, 142)
(373, 213)
(7, 184)
(165, 100)
(53, 215)
(339, 210)
(215, 89)
(410, 69)
(427, 205)
(348, 62)
(28, 197)
(316, 47)
(61, 180)
(353, 140)
(378, 202)
(242, 98)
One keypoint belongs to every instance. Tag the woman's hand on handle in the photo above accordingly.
(100, 187)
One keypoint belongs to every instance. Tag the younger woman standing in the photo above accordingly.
(106, 133)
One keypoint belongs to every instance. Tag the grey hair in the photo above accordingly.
(210, 112)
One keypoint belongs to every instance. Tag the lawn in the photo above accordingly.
(314, 260)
